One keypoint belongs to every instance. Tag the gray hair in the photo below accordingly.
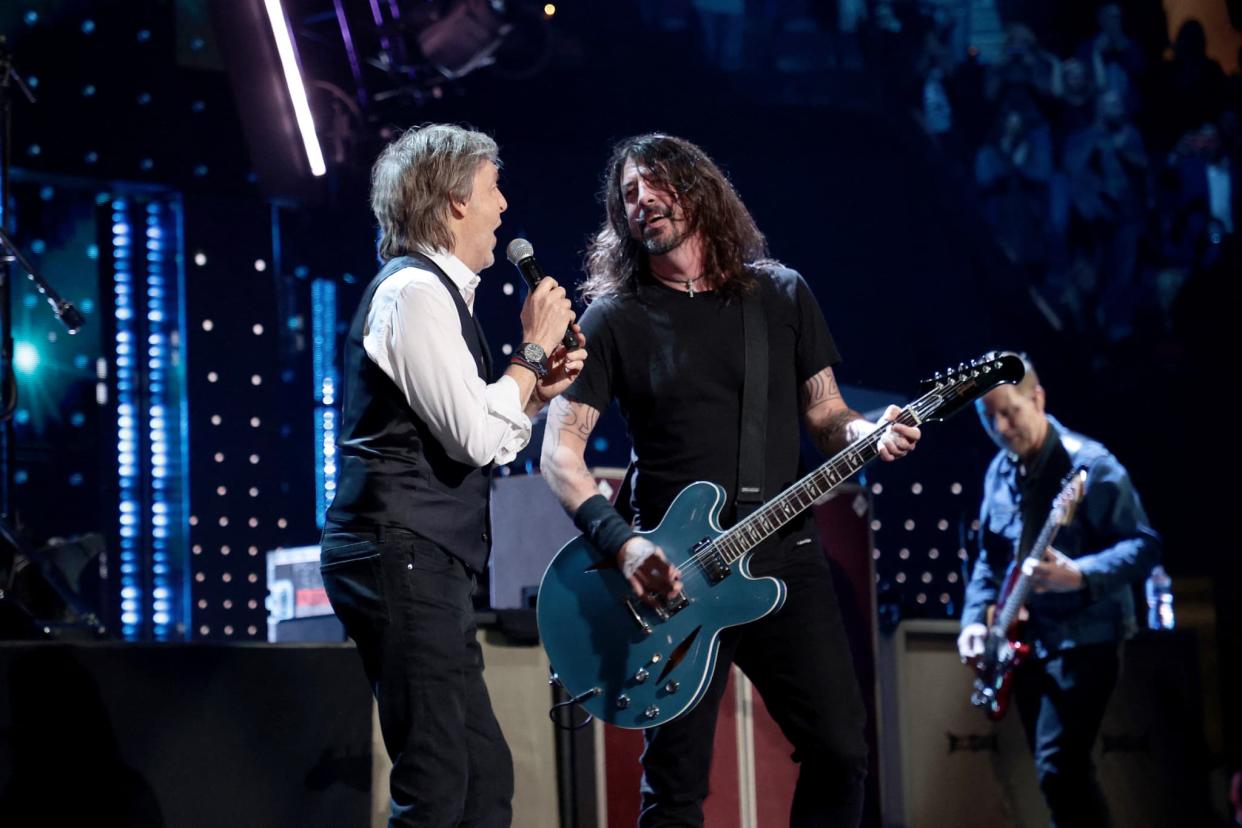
(417, 177)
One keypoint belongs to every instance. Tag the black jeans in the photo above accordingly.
(407, 604)
(799, 660)
(1061, 701)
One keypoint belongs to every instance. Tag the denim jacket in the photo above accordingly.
(1109, 538)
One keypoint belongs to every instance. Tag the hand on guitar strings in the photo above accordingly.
(651, 576)
(970, 642)
(1055, 573)
(899, 439)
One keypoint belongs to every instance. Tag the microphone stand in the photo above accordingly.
(11, 543)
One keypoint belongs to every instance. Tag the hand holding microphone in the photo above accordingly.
(553, 346)
(522, 254)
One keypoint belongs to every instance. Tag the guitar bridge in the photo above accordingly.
(664, 610)
(667, 609)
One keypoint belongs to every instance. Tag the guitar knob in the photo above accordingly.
(623, 701)
(641, 675)
(651, 712)
(671, 687)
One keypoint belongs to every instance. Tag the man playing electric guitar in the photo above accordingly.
(677, 258)
(1083, 606)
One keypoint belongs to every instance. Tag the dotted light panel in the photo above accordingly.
(323, 357)
(147, 289)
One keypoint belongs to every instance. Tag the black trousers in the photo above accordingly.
(799, 660)
(407, 604)
(1062, 700)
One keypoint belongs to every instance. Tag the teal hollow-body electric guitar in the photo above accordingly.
(636, 665)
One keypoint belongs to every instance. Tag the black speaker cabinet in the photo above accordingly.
(183, 735)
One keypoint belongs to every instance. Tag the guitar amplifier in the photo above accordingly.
(945, 763)
(529, 526)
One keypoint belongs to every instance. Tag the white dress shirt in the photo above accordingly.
(413, 333)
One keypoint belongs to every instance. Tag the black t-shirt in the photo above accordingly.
(675, 364)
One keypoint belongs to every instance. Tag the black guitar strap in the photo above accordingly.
(751, 446)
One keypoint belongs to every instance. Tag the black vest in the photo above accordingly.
(392, 471)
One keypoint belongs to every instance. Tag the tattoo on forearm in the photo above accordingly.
(578, 419)
(819, 388)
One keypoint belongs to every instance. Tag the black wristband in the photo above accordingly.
(535, 369)
(603, 527)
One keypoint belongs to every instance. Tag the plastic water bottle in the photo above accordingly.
(1159, 599)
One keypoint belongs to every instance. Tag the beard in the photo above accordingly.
(657, 244)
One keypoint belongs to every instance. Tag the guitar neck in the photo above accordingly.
(947, 394)
(799, 497)
(1022, 586)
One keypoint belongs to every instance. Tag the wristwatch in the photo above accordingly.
(529, 355)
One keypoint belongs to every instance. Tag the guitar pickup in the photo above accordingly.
(714, 565)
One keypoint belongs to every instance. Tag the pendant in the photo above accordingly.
(690, 287)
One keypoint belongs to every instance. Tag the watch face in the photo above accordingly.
(533, 353)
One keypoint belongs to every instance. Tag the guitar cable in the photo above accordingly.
(555, 681)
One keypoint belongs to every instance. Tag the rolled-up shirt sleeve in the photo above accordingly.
(414, 335)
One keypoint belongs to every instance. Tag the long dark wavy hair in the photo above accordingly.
(732, 245)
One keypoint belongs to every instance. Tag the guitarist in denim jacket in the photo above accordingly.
(1082, 606)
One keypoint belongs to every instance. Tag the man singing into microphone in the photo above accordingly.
(677, 258)
(422, 426)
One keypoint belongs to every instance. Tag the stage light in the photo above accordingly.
(25, 358)
(549, 9)
(293, 80)
(465, 37)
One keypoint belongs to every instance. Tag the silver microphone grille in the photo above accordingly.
(519, 249)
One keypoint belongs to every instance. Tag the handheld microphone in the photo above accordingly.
(522, 255)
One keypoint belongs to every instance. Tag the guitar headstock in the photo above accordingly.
(948, 391)
(1072, 490)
